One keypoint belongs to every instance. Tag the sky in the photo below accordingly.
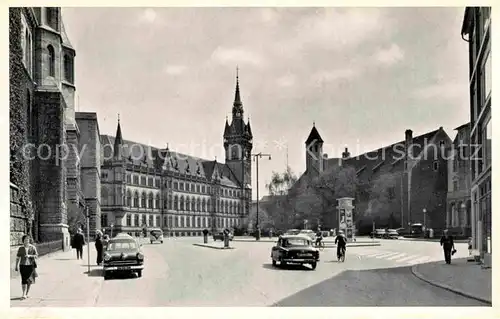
(362, 75)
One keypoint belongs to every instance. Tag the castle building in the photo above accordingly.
(46, 186)
(458, 216)
(411, 175)
(476, 30)
(148, 187)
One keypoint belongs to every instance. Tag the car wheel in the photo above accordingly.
(162, 241)
(313, 265)
(107, 275)
(282, 263)
(274, 263)
(139, 273)
(151, 242)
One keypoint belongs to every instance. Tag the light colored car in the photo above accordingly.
(156, 235)
(292, 232)
(391, 234)
(309, 233)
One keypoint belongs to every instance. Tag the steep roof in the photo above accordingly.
(386, 159)
(64, 36)
(142, 154)
(314, 135)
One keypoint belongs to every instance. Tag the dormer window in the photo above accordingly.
(441, 143)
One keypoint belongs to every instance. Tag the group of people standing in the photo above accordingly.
(78, 241)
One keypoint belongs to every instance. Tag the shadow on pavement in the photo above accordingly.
(123, 275)
(287, 267)
(15, 298)
(64, 258)
(375, 287)
(94, 272)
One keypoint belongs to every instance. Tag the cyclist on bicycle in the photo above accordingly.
(342, 241)
(319, 237)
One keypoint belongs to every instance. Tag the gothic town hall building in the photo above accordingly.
(147, 187)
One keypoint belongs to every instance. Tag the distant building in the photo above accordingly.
(476, 30)
(458, 216)
(414, 183)
(145, 187)
(46, 187)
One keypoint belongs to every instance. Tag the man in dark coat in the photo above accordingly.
(78, 242)
(448, 245)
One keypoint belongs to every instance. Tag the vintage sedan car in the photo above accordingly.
(379, 233)
(309, 233)
(220, 236)
(391, 234)
(123, 254)
(295, 249)
(292, 232)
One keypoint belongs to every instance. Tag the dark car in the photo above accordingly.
(295, 249)
(220, 236)
(123, 254)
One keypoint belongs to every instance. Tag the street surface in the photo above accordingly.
(180, 274)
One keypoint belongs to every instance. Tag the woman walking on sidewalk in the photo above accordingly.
(26, 265)
(98, 247)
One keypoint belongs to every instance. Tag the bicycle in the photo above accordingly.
(320, 245)
(341, 258)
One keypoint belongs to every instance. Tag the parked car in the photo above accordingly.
(309, 233)
(220, 236)
(295, 249)
(391, 234)
(292, 232)
(155, 235)
(123, 254)
(379, 233)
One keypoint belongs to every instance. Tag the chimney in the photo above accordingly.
(408, 142)
(346, 154)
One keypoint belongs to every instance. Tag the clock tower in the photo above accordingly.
(238, 141)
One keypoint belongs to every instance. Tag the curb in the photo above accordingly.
(419, 275)
(213, 247)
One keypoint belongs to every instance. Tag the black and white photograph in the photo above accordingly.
(250, 156)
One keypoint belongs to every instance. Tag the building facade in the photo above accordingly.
(148, 187)
(44, 162)
(476, 30)
(458, 218)
(409, 177)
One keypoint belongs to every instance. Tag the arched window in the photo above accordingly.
(144, 200)
(176, 202)
(170, 203)
(136, 220)
(188, 203)
(129, 179)
(68, 68)
(198, 204)
(129, 198)
(150, 201)
(129, 220)
(104, 196)
(136, 199)
(157, 200)
(51, 60)
(209, 205)
(203, 205)
(226, 208)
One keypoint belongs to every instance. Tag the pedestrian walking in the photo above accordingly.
(78, 243)
(448, 246)
(469, 246)
(26, 265)
(98, 246)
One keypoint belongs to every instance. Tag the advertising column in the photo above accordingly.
(345, 219)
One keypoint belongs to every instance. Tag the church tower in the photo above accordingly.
(314, 153)
(238, 141)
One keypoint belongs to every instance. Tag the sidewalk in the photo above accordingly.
(62, 281)
(461, 277)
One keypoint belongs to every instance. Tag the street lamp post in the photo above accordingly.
(87, 215)
(256, 159)
(425, 217)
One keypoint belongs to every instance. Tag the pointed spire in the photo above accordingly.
(227, 129)
(249, 129)
(237, 98)
(314, 136)
(118, 147)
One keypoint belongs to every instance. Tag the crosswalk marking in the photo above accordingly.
(396, 256)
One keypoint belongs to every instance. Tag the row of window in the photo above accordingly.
(459, 216)
(181, 186)
(138, 220)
